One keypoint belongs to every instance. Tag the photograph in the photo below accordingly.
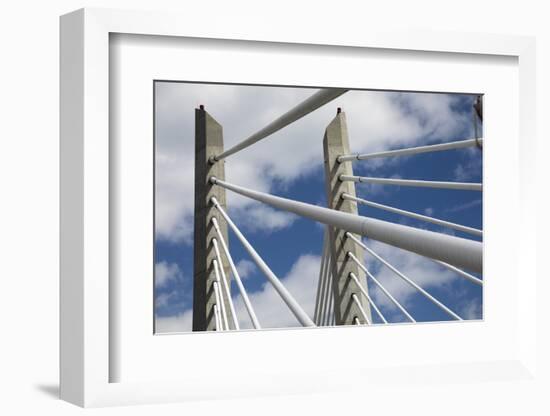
(275, 208)
(290, 206)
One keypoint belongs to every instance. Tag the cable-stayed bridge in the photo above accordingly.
(342, 295)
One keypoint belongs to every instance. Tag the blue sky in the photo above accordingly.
(290, 245)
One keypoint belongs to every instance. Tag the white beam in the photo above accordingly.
(459, 186)
(219, 326)
(307, 106)
(225, 285)
(458, 227)
(321, 281)
(219, 300)
(360, 307)
(461, 144)
(329, 309)
(364, 291)
(459, 252)
(246, 300)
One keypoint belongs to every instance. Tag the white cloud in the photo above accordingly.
(166, 272)
(257, 217)
(245, 268)
(174, 198)
(472, 309)
(272, 312)
(465, 206)
(376, 121)
(178, 323)
(164, 299)
(470, 168)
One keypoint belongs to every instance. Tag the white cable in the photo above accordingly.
(460, 186)
(225, 285)
(246, 300)
(402, 276)
(413, 150)
(364, 291)
(293, 305)
(219, 296)
(360, 307)
(414, 215)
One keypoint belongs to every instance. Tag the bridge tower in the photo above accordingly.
(208, 143)
(347, 296)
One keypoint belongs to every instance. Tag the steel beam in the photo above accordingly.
(459, 186)
(443, 223)
(336, 142)
(459, 252)
(240, 286)
(307, 106)
(461, 144)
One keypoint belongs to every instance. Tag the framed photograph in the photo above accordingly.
(246, 216)
(423, 125)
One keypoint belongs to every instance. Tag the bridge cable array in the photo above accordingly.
(457, 251)
(458, 227)
(398, 273)
(461, 186)
(225, 285)
(311, 104)
(461, 144)
(292, 304)
(449, 251)
(324, 307)
(242, 290)
(353, 277)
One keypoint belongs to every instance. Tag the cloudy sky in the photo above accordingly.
(290, 245)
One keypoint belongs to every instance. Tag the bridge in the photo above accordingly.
(343, 294)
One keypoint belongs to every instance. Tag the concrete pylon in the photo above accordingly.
(336, 143)
(208, 142)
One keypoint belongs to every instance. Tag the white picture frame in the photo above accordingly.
(85, 221)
